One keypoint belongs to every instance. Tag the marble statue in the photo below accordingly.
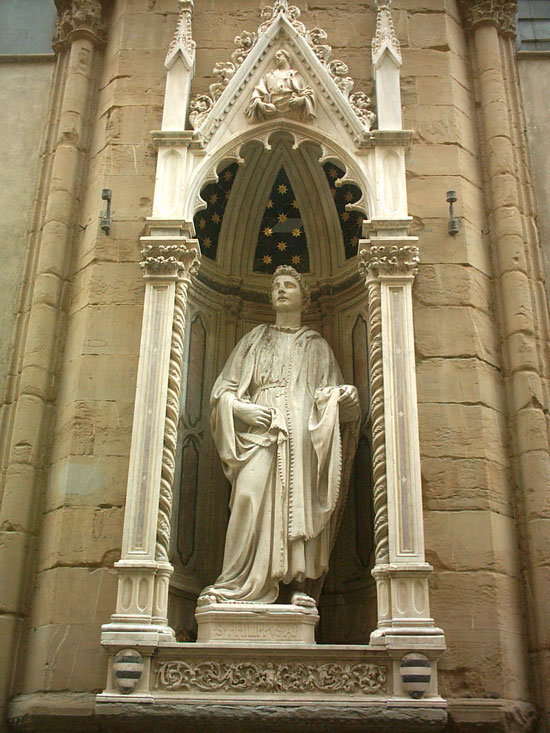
(286, 430)
(280, 90)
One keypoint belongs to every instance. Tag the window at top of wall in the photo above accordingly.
(533, 25)
(27, 26)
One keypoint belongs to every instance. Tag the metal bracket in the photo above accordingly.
(105, 218)
(453, 222)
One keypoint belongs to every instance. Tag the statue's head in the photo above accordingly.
(289, 291)
(282, 59)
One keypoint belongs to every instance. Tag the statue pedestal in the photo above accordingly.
(260, 623)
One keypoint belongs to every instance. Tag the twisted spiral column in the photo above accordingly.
(376, 381)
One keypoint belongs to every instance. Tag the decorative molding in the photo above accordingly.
(271, 677)
(388, 260)
(165, 259)
(162, 549)
(378, 424)
(183, 38)
(385, 38)
(499, 13)
(78, 16)
(316, 38)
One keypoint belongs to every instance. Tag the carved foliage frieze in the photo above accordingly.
(271, 677)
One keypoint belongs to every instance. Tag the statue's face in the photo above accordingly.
(286, 294)
(280, 58)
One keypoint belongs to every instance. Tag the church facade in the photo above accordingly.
(160, 163)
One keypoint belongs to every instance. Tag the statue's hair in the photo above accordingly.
(286, 53)
(289, 270)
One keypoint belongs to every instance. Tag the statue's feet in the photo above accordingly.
(299, 598)
(207, 597)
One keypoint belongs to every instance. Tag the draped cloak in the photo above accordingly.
(288, 481)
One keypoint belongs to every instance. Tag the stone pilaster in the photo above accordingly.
(144, 568)
(491, 27)
(31, 415)
(180, 65)
(389, 264)
(386, 61)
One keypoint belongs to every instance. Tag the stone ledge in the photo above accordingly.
(59, 712)
(497, 716)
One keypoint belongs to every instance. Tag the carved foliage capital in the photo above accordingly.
(500, 13)
(170, 259)
(388, 260)
(77, 15)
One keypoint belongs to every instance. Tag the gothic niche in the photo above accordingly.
(281, 206)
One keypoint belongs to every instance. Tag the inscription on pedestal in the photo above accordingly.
(266, 632)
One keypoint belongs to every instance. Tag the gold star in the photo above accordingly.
(213, 198)
(296, 232)
(359, 220)
(354, 241)
(216, 218)
(282, 188)
(295, 204)
(345, 215)
(282, 218)
(333, 173)
(281, 246)
(333, 191)
(207, 242)
(269, 204)
(268, 231)
(349, 196)
(202, 223)
(228, 175)
(266, 259)
(296, 259)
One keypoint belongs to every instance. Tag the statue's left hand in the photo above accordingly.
(349, 403)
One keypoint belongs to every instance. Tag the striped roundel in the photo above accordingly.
(127, 669)
(416, 673)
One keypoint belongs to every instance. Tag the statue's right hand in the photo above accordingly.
(251, 414)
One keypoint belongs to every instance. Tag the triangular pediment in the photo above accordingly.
(262, 88)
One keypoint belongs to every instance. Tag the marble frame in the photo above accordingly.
(374, 160)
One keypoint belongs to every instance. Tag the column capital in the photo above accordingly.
(499, 13)
(78, 17)
(388, 260)
(176, 257)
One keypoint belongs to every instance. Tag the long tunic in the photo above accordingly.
(288, 482)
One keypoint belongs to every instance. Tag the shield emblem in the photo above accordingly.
(127, 669)
(416, 674)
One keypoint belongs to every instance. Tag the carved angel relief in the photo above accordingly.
(281, 90)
